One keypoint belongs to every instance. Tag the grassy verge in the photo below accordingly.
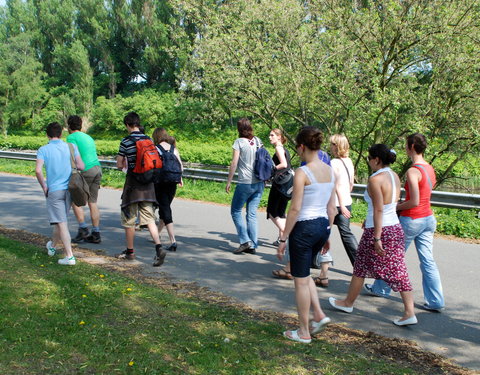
(91, 320)
(459, 223)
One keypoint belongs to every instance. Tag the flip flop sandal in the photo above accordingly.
(316, 327)
(282, 273)
(321, 282)
(294, 337)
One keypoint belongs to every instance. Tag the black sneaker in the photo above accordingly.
(81, 235)
(250, 250)
(125, 255)
(94, 237)
(159, 258)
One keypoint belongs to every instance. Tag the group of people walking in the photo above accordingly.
(321, 197)
(139, 198)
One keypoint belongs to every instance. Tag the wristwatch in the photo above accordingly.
(282, 241)
(377, 239)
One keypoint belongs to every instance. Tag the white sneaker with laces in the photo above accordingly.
(67, 261)
(51, 251)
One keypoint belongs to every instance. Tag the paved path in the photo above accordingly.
(206, 237)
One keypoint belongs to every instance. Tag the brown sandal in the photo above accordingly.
(322, 282)
(282, 273)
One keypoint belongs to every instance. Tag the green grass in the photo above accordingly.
(87, 320)
(460, 223)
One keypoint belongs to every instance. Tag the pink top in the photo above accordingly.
(425, 189)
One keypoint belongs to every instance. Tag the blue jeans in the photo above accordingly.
(251, 195)
(421, 232)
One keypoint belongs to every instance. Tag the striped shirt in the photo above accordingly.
(128, 148)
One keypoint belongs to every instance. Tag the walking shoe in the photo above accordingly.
(250, 250)
(81, 235)
(94, 237)
(242, 248)
(407, 322)
(428, 308)
(368, 288)
(51, 251)
(160, 257)
(125, 254)
(67, 261)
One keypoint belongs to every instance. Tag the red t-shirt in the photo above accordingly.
(425, 189)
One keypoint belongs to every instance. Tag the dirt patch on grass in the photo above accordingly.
(404, 352)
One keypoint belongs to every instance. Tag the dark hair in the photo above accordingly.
(54, 130)
(160, 135)
(74, 122)
(132, 120)
(310, 137)
(172, 140)
(141, 129)
(418, 141)
(244, 128)
(383, 152)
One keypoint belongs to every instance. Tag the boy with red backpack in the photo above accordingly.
(142, 164)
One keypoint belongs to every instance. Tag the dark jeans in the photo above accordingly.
(348, 239)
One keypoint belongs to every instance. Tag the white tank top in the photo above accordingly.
(389, 210)
(315, 196)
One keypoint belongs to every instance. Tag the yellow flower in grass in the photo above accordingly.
(82, 323)
(129, 289)
(131, 363)
(84, 296)
(102, 276)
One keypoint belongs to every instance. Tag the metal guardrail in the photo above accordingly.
(439, 198)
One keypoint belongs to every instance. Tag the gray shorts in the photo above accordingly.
(58, 205)
(93, 177)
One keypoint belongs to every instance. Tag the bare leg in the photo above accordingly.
(353, 291)
(130, 235)
(304, 299)
(171, 233)
(407, 298)
(161, 225)
(64, 235)
(324, 270)
(55, 235)
(94, 214)
(318, 313)
(152, 228)
(79, 214)
(279, 223)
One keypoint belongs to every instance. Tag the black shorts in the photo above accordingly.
(305, 241)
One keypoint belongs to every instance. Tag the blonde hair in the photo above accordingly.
(279, 133)
(342, 144)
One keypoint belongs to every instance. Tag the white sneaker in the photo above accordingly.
(51, 251)
(67, 261)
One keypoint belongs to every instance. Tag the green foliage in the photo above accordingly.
(459, 223)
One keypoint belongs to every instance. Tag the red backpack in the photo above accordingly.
(149, 163)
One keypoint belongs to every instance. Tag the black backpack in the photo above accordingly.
(171, 170)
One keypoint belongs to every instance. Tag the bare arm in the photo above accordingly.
(79, 162)
(121, 162)
(177, 154)
(40, 178)
(280, 152)
(375, 191)
(413, 179)
(233, 168)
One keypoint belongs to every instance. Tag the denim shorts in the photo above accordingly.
(305, 241)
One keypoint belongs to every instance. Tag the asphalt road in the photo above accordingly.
(206, 237)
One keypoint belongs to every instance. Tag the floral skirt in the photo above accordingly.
(389, 267)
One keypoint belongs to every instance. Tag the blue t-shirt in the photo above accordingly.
(56, 156)
(323, 156)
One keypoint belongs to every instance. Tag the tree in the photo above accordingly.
(374, 71)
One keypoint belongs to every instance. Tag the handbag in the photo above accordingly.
(77, 186)
(283, 178)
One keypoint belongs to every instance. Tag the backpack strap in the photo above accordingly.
(72, 157)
